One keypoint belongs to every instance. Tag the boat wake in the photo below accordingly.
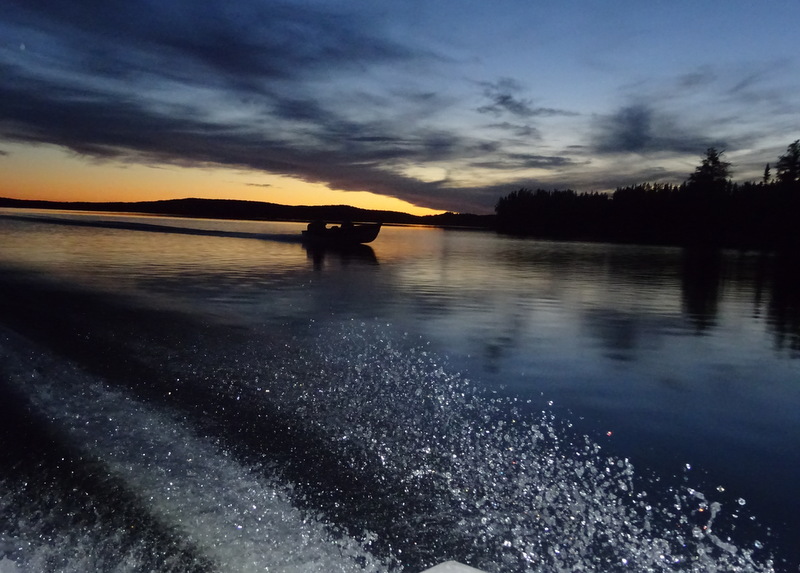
(343, 447)
(153, 228)
(181, 502)
(490, 480)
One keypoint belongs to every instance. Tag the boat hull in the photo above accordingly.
(344, 235)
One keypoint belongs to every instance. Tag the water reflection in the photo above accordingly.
(770, 281)
(618, 332)
(606, 331)
(783, 311)
(343, 254)
(627, 290)
(701, 278)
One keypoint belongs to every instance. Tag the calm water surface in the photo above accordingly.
(683, 365)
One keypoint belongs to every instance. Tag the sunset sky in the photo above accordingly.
(417, 106)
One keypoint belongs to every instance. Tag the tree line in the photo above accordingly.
(706, 209)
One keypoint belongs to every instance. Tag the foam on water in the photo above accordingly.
(506, 490)
(383, 459)
(235, 517)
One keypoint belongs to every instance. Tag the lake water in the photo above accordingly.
(196, 395)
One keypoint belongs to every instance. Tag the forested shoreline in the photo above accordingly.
(257, 211)
(706, 210)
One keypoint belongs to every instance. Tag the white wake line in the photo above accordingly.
(227, 510)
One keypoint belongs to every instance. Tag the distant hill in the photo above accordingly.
(259, 211)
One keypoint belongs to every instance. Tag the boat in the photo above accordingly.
(318, 233)
(452, 567)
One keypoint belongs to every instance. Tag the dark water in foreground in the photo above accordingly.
(185, 395)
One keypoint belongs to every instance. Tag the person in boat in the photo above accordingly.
(317, 226)
(343, 229)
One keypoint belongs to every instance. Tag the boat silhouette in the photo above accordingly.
(347, 233)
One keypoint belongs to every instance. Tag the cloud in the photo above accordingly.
(327, 93)
(518, 130)
(503, 100)
(697, 79)
(525, 161)
(104, 126)
(506, 103)
(640, 128)
(225, 84)
(240, 41)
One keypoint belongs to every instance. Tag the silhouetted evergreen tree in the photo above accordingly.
(788, 167)
(712, 173)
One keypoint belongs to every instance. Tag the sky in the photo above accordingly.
(419, 106)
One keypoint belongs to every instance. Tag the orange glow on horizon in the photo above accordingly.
(50, 173)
